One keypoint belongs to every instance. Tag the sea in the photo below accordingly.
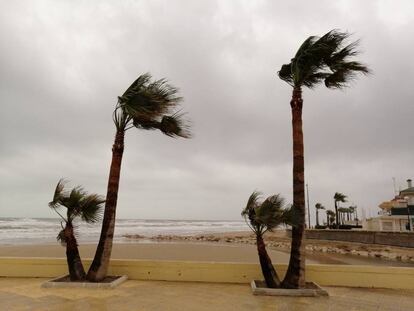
(20, 231)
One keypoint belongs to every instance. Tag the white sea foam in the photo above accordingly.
(16, 231)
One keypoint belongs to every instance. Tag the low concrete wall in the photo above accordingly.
(402, 239)
(216, 272)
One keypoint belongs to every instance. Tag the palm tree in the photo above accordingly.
(78, 204)
(146, 105)
(352, 209)
(330, 217)
(318, 206)
(263, 217)
(343, 214)
(319, 59)
(338, 197)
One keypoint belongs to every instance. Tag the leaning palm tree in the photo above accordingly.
(319, 59)
(338, 197)
(78, 204)
(318, 206)
(145, 105)
(262, 217)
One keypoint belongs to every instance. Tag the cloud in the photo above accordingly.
(64, 63)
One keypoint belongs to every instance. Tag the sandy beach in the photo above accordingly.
(224, 247)
(152, 251)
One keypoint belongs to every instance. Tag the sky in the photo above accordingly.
(63, 64)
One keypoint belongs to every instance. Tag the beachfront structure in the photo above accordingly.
(396, 214)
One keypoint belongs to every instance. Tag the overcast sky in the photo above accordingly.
(63, 64)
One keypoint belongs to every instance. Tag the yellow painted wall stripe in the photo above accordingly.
(219, 272)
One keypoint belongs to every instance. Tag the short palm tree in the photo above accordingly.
(319, 59)
(330, 217)
(318, 206)
(262, 217)
(343, 213)
(145, 105)
(78, 204)
(338, 197)
(352, 210)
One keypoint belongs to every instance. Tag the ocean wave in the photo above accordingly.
(44, 230)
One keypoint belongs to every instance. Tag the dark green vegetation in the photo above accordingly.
(338, 197)
(327, 60)
(145, 105)
(262, 217)
(78, 204)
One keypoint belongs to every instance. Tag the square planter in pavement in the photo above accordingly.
(311, 290)
(64, 282)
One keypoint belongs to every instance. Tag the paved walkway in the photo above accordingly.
(26, 294)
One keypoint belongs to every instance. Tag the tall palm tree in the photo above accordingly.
(319, 59)
(338, 197)
(263, 217)
(318, 206)
(146, 105)
(78, 204)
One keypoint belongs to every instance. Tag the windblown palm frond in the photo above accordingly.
(319, 206)
(91, 208)
(249, 212)
(78, 203)
(61, 238)
(324, 59)
(58, 194)
(267, 215)
(340, 197)
(151, 105)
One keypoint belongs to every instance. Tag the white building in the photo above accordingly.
(395, 215)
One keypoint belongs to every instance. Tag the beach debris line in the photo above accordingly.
(278, 240)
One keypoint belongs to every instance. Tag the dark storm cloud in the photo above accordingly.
(63, 64)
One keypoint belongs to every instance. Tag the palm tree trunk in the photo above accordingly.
(336, 216)
(317, 217)
(99, 267)
(295, 275)
(271, 278)
(76, 270)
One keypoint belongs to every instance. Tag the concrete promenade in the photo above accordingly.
(26, 294)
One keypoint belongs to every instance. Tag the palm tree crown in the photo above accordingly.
(323, 59)
(340, 197)
(319, 206)
(78, 203)
(150, 105)
(268, 215)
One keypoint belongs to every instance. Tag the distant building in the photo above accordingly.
(395, 215)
